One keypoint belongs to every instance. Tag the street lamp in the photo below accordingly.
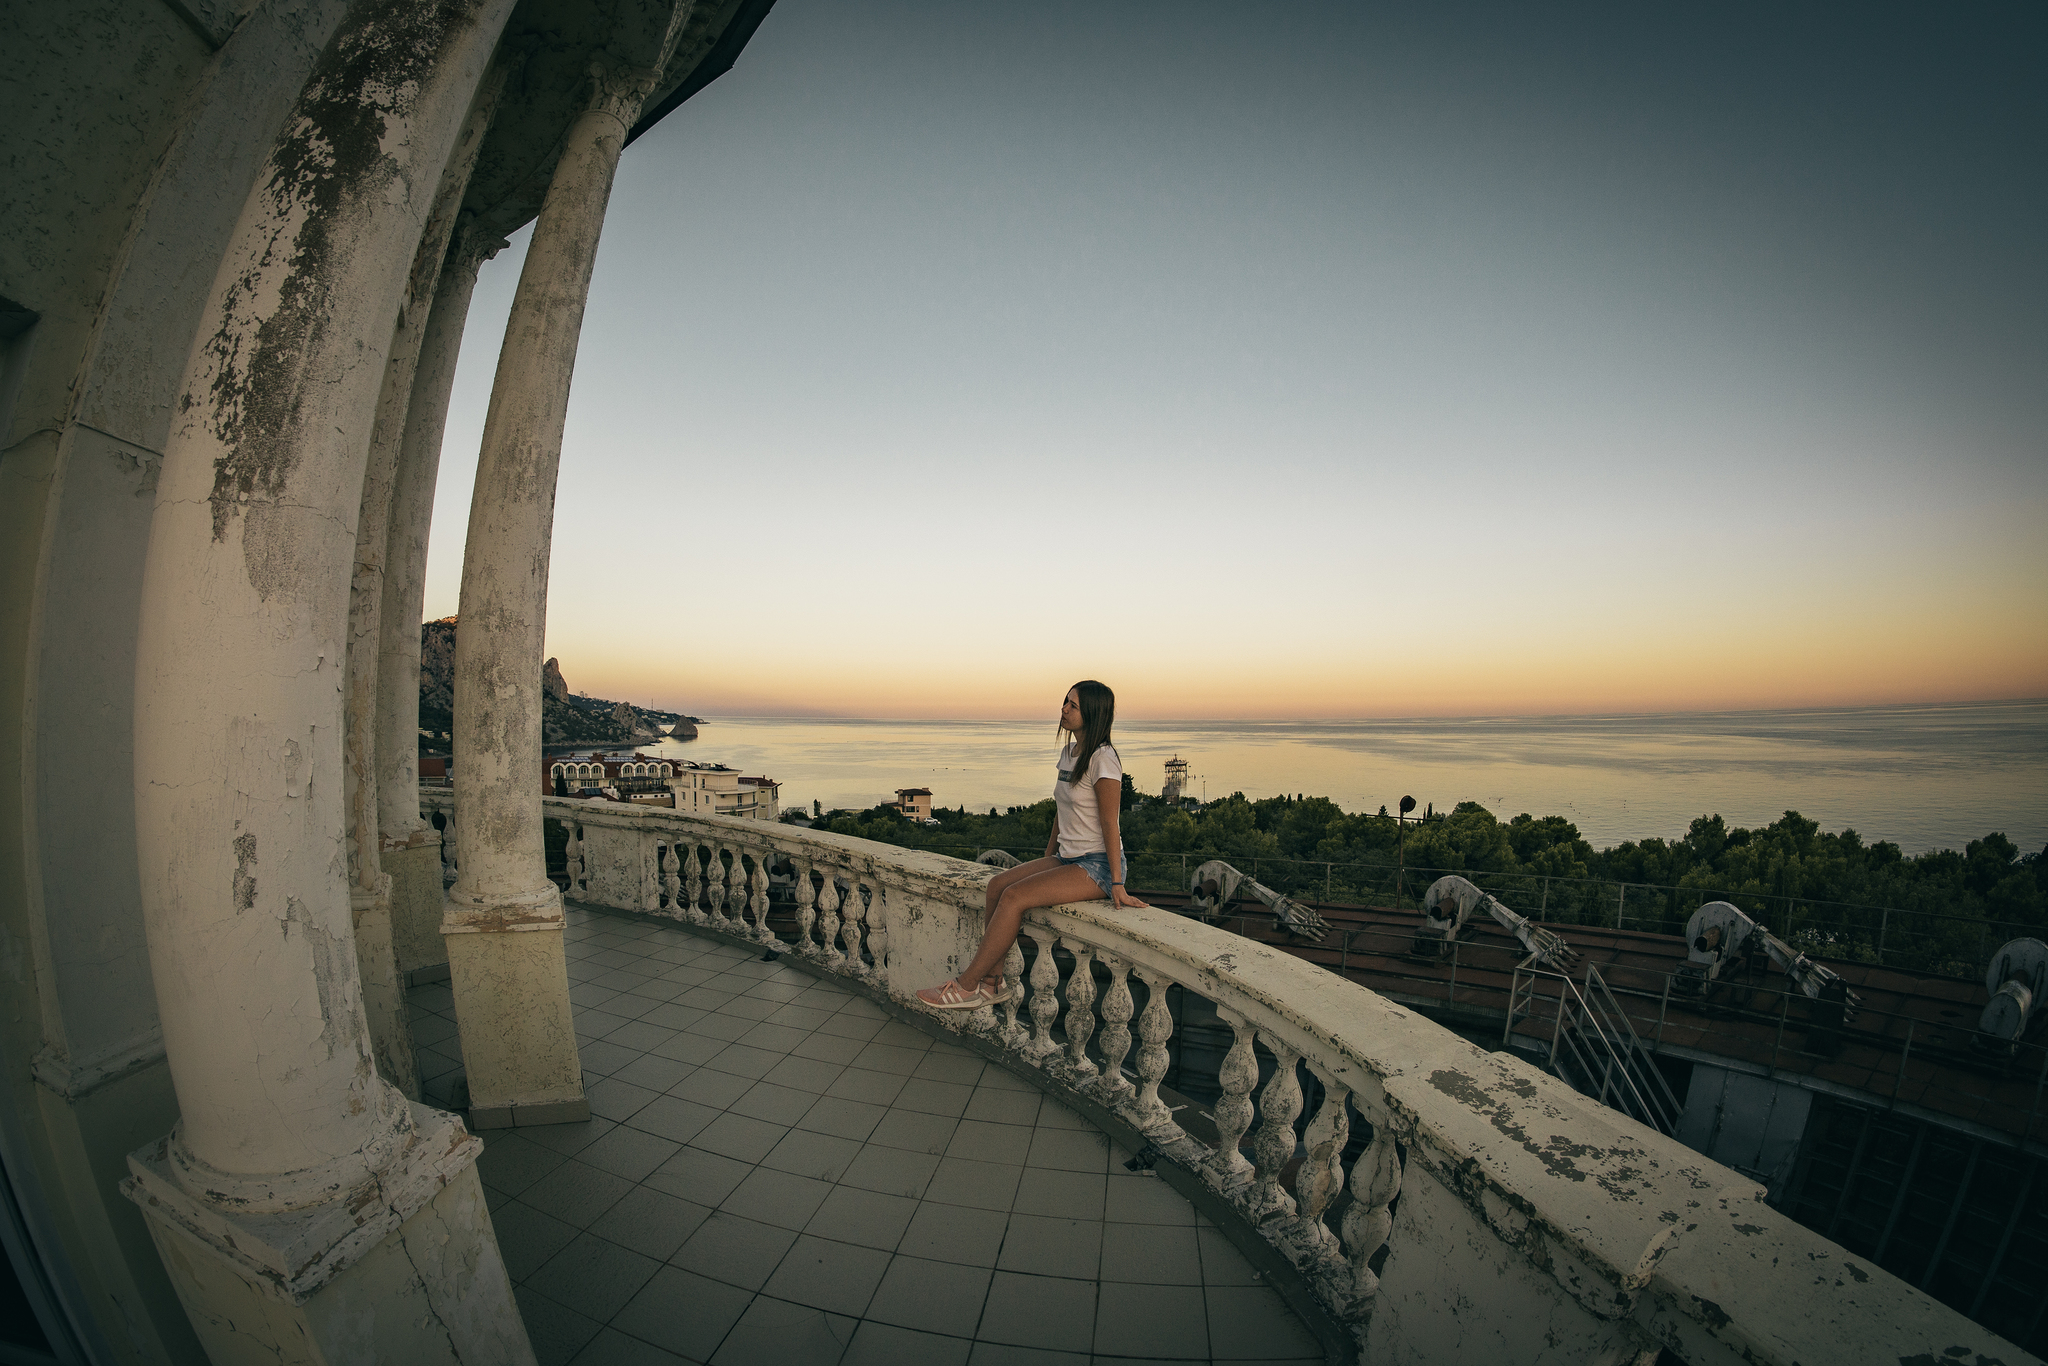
(1401, 846)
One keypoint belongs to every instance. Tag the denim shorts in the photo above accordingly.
(1096, 866)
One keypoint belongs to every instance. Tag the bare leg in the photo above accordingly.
(1002, 882)
(1047, 886)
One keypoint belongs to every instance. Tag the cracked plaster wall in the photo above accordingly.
(1452, 1292)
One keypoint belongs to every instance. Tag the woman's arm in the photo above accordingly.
(1109, 799)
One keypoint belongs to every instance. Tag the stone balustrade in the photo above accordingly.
(1489, 1211)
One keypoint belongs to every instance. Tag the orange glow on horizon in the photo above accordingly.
(1703, 678)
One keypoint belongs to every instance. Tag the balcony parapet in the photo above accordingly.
(1493, 1213)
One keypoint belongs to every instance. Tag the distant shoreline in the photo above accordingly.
(595, 746)
(1868, 708)
(1927, 777)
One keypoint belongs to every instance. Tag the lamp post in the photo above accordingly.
(1401, 846)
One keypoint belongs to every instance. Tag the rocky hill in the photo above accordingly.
(565, 717)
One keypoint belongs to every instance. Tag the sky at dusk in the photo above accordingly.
(1313, 360)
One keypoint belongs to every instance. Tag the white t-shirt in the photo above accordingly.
(1080, 815)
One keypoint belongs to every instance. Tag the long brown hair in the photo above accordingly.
(1098, 714)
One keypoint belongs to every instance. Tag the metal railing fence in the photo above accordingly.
(1592, 1034)
(1638, 1004)
(1889, 1031)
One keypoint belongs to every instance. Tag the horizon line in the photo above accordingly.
(1442, 716)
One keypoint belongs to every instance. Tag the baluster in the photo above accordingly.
(1322, 1169)
(828, 918)
(1045, 1007)
(1080, 1008)
(671, 882)
(572, 856)
(448, 848)
(650, 872)
(714, 887)
(760, 885)
(853, 910)
(735, 891)
(878, 930)
(1375, 1181)
(1013, 1033)
(1116, 1030)
(1237, 1076)
(806, 914)
(693, 884)
(735, 913)
(1155, 1027)
(1279, 1104)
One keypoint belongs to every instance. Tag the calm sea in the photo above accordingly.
(1923, 777)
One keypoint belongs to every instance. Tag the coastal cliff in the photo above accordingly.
(566, 718)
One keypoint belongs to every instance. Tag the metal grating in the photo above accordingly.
(1962, 1218)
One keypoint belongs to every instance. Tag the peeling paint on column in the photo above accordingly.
(333, 147)
(245, 881)
(332, 969)
(295, 781)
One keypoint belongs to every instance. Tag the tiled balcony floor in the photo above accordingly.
(777, 1172)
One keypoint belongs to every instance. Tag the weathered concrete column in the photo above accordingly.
(504, 917)
(294, 1168)
(411, 847)
(370, 887)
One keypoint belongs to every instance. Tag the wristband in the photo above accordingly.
(1118, 883)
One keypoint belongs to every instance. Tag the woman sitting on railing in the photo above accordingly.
(1084, 859)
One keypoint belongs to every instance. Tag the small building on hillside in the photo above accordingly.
(915, 802)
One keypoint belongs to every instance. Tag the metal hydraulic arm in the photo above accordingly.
(1451, 901)
(2017, 979)
(1215, 885)
(1718, 933)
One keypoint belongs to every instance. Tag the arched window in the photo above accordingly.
(667, 771)
(557, 773)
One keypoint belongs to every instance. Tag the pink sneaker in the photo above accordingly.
(952, 996)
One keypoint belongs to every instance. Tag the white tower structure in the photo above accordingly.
(1176, 780)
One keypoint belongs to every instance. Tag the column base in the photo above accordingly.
(414, 866)
(526, 1114)
(511, 983)
(406, 1271)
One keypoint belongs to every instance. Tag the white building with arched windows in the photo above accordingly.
(651, 781)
